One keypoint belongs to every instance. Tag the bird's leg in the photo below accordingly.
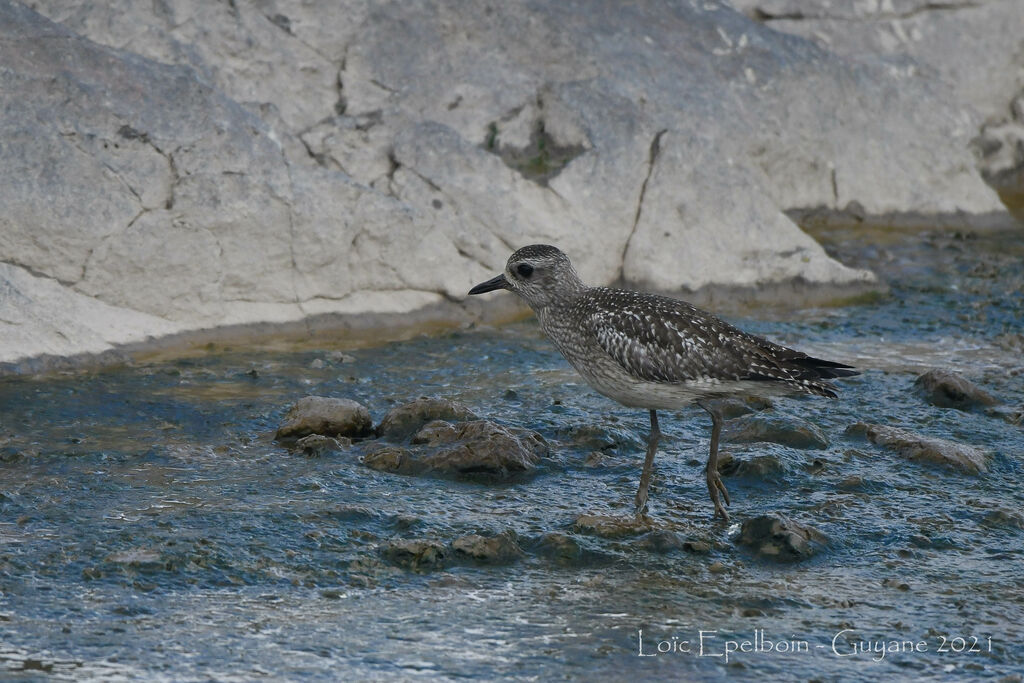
(711, 469)
(645, 478)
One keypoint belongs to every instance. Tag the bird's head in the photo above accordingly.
(540, 274)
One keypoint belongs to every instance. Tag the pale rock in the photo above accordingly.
(192, 165)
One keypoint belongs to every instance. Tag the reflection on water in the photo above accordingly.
(149, 526)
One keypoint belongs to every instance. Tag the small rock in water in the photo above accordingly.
(421, 556)
(1014, 416)
(317, 364)
(1003, 519)
(436, 432)
(315, 445)
(780, 538)
(559, 547)
(590, 437)
(758, 467)
(785, 431)
(607, 526)
(921, 541)
(896, 583)
(480, 447)
(390, 459)
(661, 541)
(697, 547)
(326, 416)
(408, 418)
(339, 357)
(138, 558)
(500, 549)
(483, 446)
(969, 459)
(737, 406)
(853, 482)
(947, 389)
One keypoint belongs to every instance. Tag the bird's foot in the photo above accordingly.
(714, 486)
(640, 504)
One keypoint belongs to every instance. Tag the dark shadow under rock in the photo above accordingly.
(926, 449)
(406, 419)
(478, 447)
(786, 431)
(780, 538)
(501, 549)
(947, 389)
(325, 416)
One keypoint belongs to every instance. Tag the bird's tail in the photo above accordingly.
(800, 371)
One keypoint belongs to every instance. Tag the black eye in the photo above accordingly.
(524, 269)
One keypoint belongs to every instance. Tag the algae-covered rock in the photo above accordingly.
(780, 538)
(926, 449)
(416, 555)
(477, 447)
(325, 416)
(607, 526)
(316, 445)
(390, 459)
(500, 549)
(787, 431)
(407, 418)
(947, 389)
(559, 547)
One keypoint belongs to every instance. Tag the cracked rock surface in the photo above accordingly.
(178, 166)
(949, 41)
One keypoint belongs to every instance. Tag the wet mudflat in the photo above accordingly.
(150, 525)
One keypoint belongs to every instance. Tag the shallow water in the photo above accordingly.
(150, 527)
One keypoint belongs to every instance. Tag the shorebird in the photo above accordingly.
(655, 352)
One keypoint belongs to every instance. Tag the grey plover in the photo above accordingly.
(655, 352)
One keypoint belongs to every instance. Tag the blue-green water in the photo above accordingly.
(150, 527)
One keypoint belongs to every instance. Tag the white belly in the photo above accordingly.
(663, 395)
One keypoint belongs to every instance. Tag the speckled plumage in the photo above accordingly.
(666, 353)
(655, 352)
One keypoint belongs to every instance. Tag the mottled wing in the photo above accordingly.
(659, 339)
(664, 340)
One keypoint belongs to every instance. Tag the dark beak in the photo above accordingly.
(494, 283)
